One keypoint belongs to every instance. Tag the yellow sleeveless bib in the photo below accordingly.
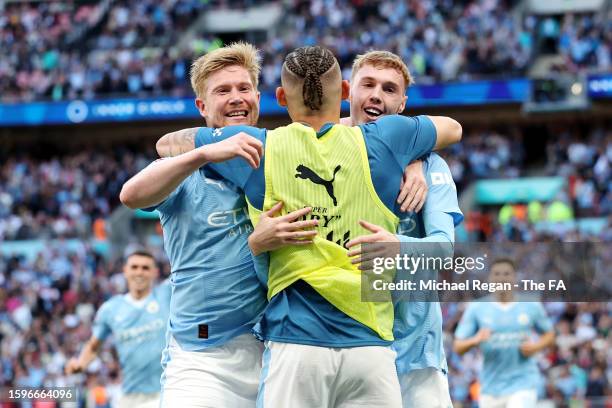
(331, 174)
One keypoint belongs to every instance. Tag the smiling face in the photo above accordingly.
(230, 98)
(140, 273)
(376, 92)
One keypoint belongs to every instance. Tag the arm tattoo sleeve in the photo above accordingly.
(182, 141)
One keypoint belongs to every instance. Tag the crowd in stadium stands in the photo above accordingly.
(123, 47)
(582, 40)
(47, 306)
(63, 196)
(587, 164)
(63, 51)
(486, 153)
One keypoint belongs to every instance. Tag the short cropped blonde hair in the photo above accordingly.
(239, 53)
(382, 59)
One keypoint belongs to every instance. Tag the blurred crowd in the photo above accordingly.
(59, 50)
(576, 368)
(47, 305)
(486, 153)
(63, 197)
(586, 162)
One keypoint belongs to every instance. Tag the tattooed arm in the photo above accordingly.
(175, 143)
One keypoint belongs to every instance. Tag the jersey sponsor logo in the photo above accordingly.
(153, 307)
(228, 217)
(306, 173)
(236, 221)
(141, 333)
(438, 178)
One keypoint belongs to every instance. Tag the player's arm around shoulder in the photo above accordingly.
(448, 131)
(154, 183)
(175, 143)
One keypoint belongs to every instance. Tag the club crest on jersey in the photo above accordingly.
(153, 307)
(307, 173)
(523, 319)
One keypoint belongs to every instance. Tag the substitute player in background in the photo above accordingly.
(379, 82)
(502, 328)
(326, 347)
(137, 320)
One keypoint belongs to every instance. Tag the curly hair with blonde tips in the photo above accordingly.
(240, 53)
(383, 59)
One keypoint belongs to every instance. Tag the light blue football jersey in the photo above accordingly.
(505, 370)
(138, 329)
(418, 323)
(215, 293)
(299, 314)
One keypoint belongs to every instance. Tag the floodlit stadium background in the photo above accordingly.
(86, 89)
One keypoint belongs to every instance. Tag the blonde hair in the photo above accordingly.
(239, 53)
(382, 59)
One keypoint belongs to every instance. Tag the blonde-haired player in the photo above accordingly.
(379, 81)
(212, 359)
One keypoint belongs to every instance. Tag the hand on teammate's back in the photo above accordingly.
(379, 244)
(413, 189)
(273, 231)
(239, 145)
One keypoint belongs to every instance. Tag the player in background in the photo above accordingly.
(212, 358)
(137, 321)
(502, 327)
(306, 331)
(379, 82)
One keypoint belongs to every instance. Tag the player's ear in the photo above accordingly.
(199, 103)
(403, 105)
(281, 97)
(346, 89)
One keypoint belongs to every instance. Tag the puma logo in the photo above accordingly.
(305, 173)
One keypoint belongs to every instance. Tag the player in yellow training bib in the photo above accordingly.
(325, 347)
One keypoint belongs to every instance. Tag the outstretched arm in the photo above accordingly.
(462, 346)
(175, 143)
(154, 183)
(89, 352)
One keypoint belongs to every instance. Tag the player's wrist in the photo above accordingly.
(253, 244)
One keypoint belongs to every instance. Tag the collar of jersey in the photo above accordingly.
(323, 131)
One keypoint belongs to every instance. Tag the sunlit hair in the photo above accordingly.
(383, 59)
(239, 53)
